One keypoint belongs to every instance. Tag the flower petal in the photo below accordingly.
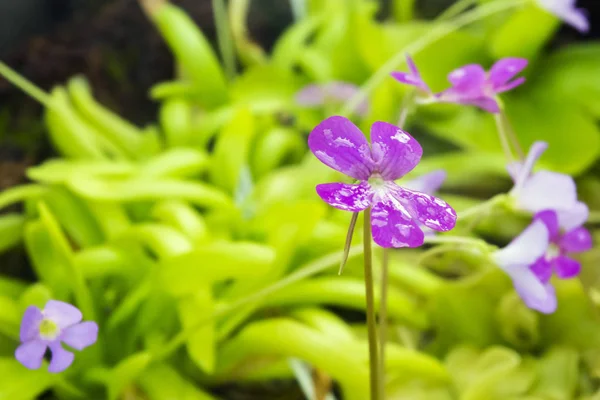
(536, 295)
(510, 85)
(339, 144)
(576, 241)
(393, 227)
(61, 313)
(431, 211)
(526, 248)
(577, 18)
(550, 219)
(311, 95)
(566, 267)
(504, 70)
(547, 190)
(30, 324)
(488, 104)
(61, 358)
(521, 172)
(469, 80)
(346, 197)
(31, 354)
(427, 183)
(573, 217)
(395, 152)
(81, 335)
(542, 268)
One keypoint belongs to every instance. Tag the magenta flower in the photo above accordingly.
(413, 77)
(46, 329)
(316, 95)
(542, 190)
(472, 85)
(397, 211)
(567, 236)
(567, 12)
(517, 260)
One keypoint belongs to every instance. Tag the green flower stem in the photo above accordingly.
(288, 338)
(482, 208)
(13, 77)
(383, 322)
(455, 9)
(507, 134)
(374, 372)
(312, 268)
(226, 46)
(502, 134)
(435, 34)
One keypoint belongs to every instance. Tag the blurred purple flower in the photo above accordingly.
(413, 77)
(397, 211)
(567, 236)
(517, 260)
(316, 95)
(542, 190)
(568, 13)
(427, 183)
(472, 85)
(43, 329)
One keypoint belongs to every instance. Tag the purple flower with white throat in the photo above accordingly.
(542, 190)
(46, 329)
(567, 12)
(412, 78)
(567, 236)
(517, 260)
(472, 85)
(397, 212)
(317, 95)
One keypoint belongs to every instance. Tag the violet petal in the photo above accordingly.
(61, 313)
(526, 248)
(488, 104)
(529, 290)
(566, 267)
(510, 86)
(520, 172)
(394, 227)
(81, 335)
(339, 144)
(30, 324)
(430, 211)
(427, 183)
(61, 358)
(468, 80)
(31, 353)
(504, 70)
(576, 240)
(547, 190)
(346, 197)
(550, 219)
(574, 217)
(542, 268)
(395, 152)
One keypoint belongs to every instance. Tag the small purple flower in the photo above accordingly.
(413, 77)
(316, 95)
(397, 211)
(567, 12)
(472, 85)
(567, 236)
(542, 190)
(43, 329)
(517, 260)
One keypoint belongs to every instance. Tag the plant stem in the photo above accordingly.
(26, 86)
(374, 372)
(502, 134)
(383, 322)
(505, 129)
(481, 208)
(348, 242)
(456, 9)
(435, 34)
(225, 40)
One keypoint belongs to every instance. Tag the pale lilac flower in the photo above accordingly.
(517, 260)
(567, 12)
(567, 236)
(317, 95)
(542, 190)
(397, 211)
(472, 85)
(427, 183)
(413, 77)
(46, 329)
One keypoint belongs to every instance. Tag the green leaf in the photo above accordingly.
(11, 230)
(20, 383)
(126, 372)
(192, 310)
(558, 376)
(162, 382)
(10, 317)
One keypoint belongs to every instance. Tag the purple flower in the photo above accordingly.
(472, 85)
(566, 11)
(517, 260)
(542, 190)
(567, 236)
(316, 95)
(397, 211)
(413, 77)
(43, 329)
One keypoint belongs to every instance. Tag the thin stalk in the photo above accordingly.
(419, 45)
(383, 320)
(504, 124)
(348, 242)
(26, 86)
(226, 46)
(503, 135)
(374, 372)
(482, 208)
(456, 9)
